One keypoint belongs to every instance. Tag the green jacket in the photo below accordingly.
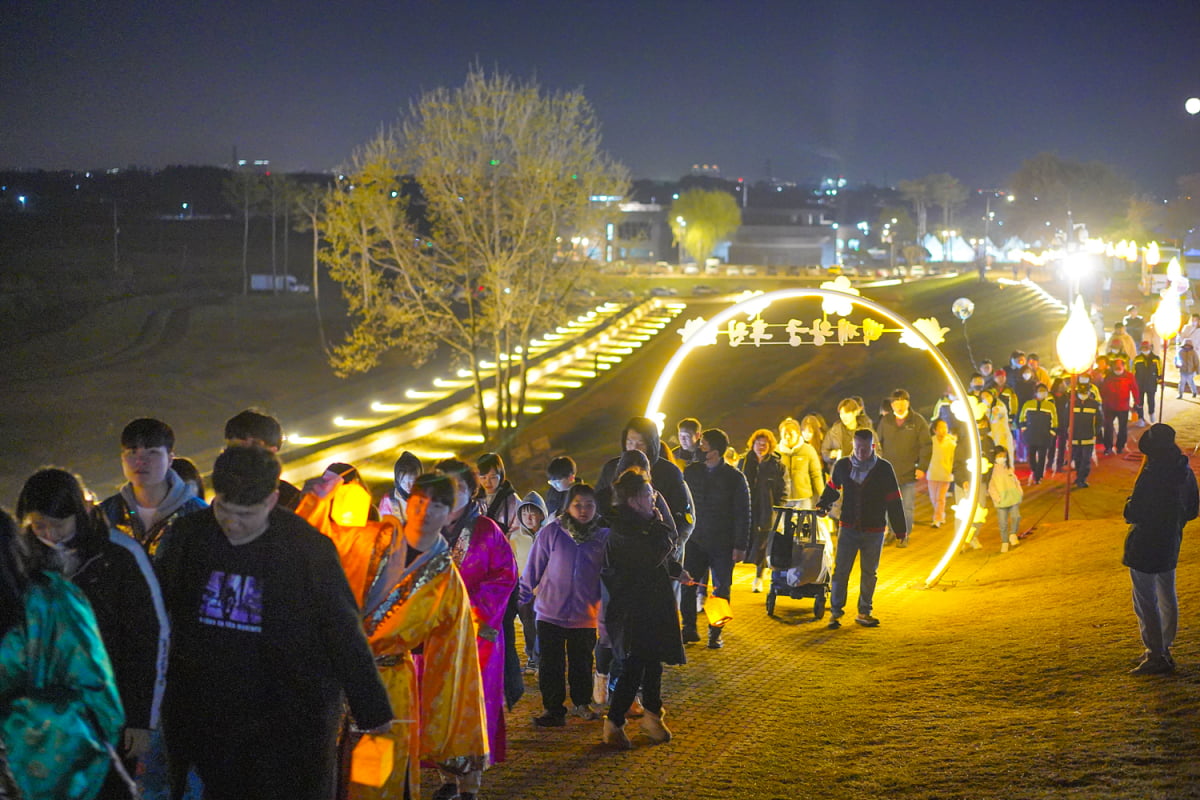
(59, 708)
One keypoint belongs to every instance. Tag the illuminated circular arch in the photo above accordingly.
(962, 523)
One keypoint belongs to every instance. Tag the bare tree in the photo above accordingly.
(470, 260)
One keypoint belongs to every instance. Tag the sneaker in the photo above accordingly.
(756, 588)
(902, 543)
(936, 525)
(834, 624)
(584, 711)
(531, 666)
(1004, 547)
(551, 719)
(614, 736)
(1153, 666)
(1081, 484)
(599, 689)
(635, 708)
(690, 636)
(1013, 539)
(714, 638)
(867, 621)
(974, 544)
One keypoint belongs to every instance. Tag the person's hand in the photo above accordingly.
(136, 742)
(738, 555)
(685, 578)
(822, 511)
(920, 474)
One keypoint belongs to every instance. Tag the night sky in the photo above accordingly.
(875, 91)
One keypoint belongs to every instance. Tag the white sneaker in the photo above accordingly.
(1013, 539)
(584, 711)
(1004, 547)
(756, 588)
(974, 542)
(599, 689)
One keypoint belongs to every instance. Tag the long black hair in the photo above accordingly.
(23, 560)
(57, 493)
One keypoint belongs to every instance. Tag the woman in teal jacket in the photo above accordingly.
(60, 715)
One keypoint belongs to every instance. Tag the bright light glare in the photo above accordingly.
(1192, 105)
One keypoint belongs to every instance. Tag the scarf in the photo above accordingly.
(392, 572)
(580, 532)
(860, 469)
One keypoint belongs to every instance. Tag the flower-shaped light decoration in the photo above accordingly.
(836, 305)
(752, 309)
(692, 327)
(660, 419)
(930, 328)
(986, 464)
(962, 508)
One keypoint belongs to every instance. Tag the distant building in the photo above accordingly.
(784, 237)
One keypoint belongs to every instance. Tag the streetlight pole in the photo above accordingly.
(1076, 346)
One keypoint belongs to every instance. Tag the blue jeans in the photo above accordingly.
(851, 544)
(1009, 518)
(908, 498)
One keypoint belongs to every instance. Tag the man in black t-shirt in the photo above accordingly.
(265, 643)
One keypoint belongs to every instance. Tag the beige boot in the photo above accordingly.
(653, 726)
(599, 688)
(614, 735)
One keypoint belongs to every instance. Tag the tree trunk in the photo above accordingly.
(274, 237)
(316, 284)
(245, 240)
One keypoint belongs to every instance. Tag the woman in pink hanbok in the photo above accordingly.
(488, 568)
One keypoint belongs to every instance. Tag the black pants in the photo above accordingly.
(699, 561)
(514, 682)
(1037, 460)
(637, 674)
(569, 651)
(1147, 394)
(1121, 418)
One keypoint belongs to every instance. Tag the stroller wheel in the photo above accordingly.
(771, 603)
(819, 605)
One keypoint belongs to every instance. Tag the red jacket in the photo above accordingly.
(1118, 391)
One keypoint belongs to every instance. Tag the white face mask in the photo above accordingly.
(1041, 395)
(1001, 460)
(560, 485)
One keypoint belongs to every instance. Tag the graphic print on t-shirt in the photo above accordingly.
(232, 601)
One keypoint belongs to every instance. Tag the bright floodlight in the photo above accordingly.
(1192, 105)
(1076, 343)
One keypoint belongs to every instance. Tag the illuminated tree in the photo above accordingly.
(700, 218)
(466, 258)
(917, 193)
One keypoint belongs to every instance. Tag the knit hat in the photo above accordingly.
(1159, 440)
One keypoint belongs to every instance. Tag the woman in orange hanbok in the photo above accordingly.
(418, 601)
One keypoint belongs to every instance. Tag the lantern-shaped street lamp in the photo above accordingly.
(1076, 348)
(1166, 321)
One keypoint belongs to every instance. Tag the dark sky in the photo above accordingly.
(876, 91)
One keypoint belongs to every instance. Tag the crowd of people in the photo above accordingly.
(273, 641)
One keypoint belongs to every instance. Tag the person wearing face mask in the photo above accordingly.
(418, 604)
(1147, 370)
(1040, 374)
(904, 442)
(560, 474)
(1060, 393)
(1038, 421)
(115, 575)
(1119, 393)
(1087, 424)
(1121, 343)
(1005, 394)
(1005, 490)
(1135, 324)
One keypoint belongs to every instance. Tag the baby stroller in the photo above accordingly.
(800, 563)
